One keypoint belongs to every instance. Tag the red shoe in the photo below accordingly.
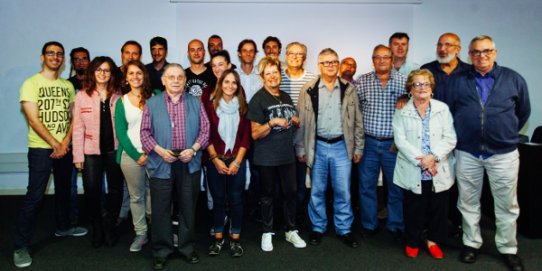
(411, 252)
(435, 252)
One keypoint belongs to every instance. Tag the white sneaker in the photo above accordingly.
(293, 237)
(267, 241)
(138, 243)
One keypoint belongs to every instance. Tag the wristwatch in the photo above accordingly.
(194, 150)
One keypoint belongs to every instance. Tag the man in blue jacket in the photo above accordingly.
(490, 105)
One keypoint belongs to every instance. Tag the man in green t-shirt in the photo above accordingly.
(46, 101)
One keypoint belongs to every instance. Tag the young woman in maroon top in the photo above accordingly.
(228, 144)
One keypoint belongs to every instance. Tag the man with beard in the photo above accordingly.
(79, 58)
(156, 68)
(347, 69)
(447, 63)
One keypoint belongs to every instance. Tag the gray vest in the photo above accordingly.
(161, 129)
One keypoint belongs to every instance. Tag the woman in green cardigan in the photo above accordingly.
(130, 154)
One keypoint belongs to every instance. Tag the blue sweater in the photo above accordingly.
(491, 128)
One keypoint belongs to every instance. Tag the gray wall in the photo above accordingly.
(352, 29)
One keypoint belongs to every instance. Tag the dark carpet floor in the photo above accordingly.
(375, 253)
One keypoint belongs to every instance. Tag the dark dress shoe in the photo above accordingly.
(315, 238)
(397, 237)
(468, 254)
(366, 233)
(159, 263)
(513, 261)
(192, 258)
(350, 240)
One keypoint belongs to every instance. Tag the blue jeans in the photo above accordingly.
(377, 154)
(226, 188)
(39, 171)
(331, 160)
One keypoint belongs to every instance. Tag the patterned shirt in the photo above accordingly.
(293, 86)
(426, 144)
(178, 126)
(377, 104)
(251, 82)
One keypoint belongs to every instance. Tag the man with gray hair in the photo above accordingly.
(329, 139)
(490, 104)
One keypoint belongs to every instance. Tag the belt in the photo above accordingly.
(225, 157)
(330, 140)
(379, 138)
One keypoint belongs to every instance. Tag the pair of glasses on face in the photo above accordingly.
(53, 53)
(478, 53)
(329, 63)
(380, 58)
(104, 71)
(174, 78)
(419, 85)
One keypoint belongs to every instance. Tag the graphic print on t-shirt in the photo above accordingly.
(281, 111)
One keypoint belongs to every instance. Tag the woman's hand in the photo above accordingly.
(142, 161)
(234, 167)
(220, 166)
(79, 165)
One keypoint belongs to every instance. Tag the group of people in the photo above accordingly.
(158, 128)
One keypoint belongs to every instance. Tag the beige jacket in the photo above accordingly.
(352, 123)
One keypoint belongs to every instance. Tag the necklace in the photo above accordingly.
(137, 95)
(277, 98)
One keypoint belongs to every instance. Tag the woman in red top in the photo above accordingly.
(228, 144)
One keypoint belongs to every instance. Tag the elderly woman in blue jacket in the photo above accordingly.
(425, 136)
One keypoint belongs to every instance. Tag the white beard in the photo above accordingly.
(446, 60)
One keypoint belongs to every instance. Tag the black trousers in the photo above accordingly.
(186, 187)
(93, 171)
(286, 175)
(426, 209)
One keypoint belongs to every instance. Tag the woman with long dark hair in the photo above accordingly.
(95, 145)
(130, 154)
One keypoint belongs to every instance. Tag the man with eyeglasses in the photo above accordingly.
(447, 63)
(347, 69)
(490, 104)
(293, 78)
(79, 59)
(399, 43)
(378, 92)
(329, 139)
(174, 133)
(46, 101)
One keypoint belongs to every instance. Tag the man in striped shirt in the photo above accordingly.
(293, 77)
(378, 91)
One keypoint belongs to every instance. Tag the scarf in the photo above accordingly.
(229, 122)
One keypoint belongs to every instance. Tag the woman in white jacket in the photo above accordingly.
(425, 136)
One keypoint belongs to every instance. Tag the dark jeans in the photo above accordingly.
(286, 175)
(186, 186)
(93, 171)
(426, 209)
(39, 170)
(226, 188)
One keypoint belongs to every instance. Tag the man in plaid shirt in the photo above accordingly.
(378, 92)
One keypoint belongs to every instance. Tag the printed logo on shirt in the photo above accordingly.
(54, 108)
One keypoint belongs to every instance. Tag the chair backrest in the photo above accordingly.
(537, 135)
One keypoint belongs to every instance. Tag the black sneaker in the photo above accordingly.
(216, 247)
(236, 248)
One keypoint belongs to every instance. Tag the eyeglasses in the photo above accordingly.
(445, 45)
(175, 78)
(421, 85)
(380, 58)
(329, 63)
(104, 71)
(53, 53)
(478, 53)
(295, 54)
